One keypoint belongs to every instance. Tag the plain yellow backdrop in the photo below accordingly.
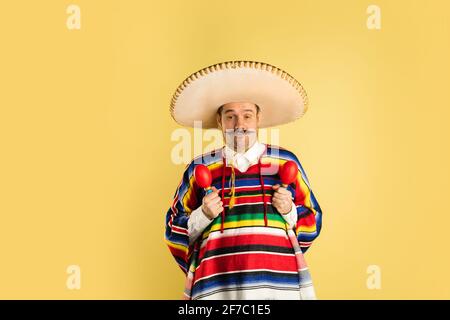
(86, 176)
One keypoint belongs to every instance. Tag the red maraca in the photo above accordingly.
(288, 173)
(203, 177)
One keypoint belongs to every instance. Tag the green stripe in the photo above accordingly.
(246, 217)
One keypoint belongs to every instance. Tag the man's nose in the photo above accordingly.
(239, 123)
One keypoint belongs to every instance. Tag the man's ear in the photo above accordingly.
(219, 121)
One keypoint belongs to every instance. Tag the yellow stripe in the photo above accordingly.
(177, 246)
(187, 195)
(307, 229)
(246, 223)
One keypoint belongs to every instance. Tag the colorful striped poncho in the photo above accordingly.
(249, 251)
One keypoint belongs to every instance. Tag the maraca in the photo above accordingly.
(288, 173)
(203, 177)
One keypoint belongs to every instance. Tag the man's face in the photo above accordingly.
(239, 122)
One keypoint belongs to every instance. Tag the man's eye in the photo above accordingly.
(230, 117)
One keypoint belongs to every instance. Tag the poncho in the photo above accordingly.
(248, 252)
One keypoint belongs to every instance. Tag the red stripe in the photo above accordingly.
(253, 169)
(257, 188)
(248, 199)
(225, 242)
(308, 221)
(217, 172)
(248, 261)
(178, 253)
(179, 230)
(245, 189)
(174, 204)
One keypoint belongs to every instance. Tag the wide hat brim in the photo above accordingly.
(280, 97)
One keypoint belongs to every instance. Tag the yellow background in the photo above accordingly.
(85, 171)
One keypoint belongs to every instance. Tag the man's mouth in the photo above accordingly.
(240, 133)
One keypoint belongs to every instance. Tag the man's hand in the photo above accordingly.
(212, 204)
(282, 199)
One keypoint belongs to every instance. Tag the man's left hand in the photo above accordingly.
(282, 199)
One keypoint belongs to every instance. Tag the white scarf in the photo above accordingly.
(242, 161)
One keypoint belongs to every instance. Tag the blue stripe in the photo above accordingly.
(245, 278)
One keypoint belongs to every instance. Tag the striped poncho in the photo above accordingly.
(249, 251)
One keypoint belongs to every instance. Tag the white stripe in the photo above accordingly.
(247, 204)
(258, 186)
(303, 269)
(255, 294)
(245, 231)
(250, 252)
(174, 231)
(246, 270)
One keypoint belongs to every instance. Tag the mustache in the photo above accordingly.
(240, 132)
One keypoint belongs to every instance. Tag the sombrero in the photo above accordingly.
(280, 97)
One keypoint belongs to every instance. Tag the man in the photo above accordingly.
(246, 239)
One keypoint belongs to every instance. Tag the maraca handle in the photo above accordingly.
(208, 191)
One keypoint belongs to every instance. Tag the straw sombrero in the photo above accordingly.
(280, 97)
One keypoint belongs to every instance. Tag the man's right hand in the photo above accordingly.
(212, 204)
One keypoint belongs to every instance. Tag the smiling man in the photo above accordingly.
(245, 239)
